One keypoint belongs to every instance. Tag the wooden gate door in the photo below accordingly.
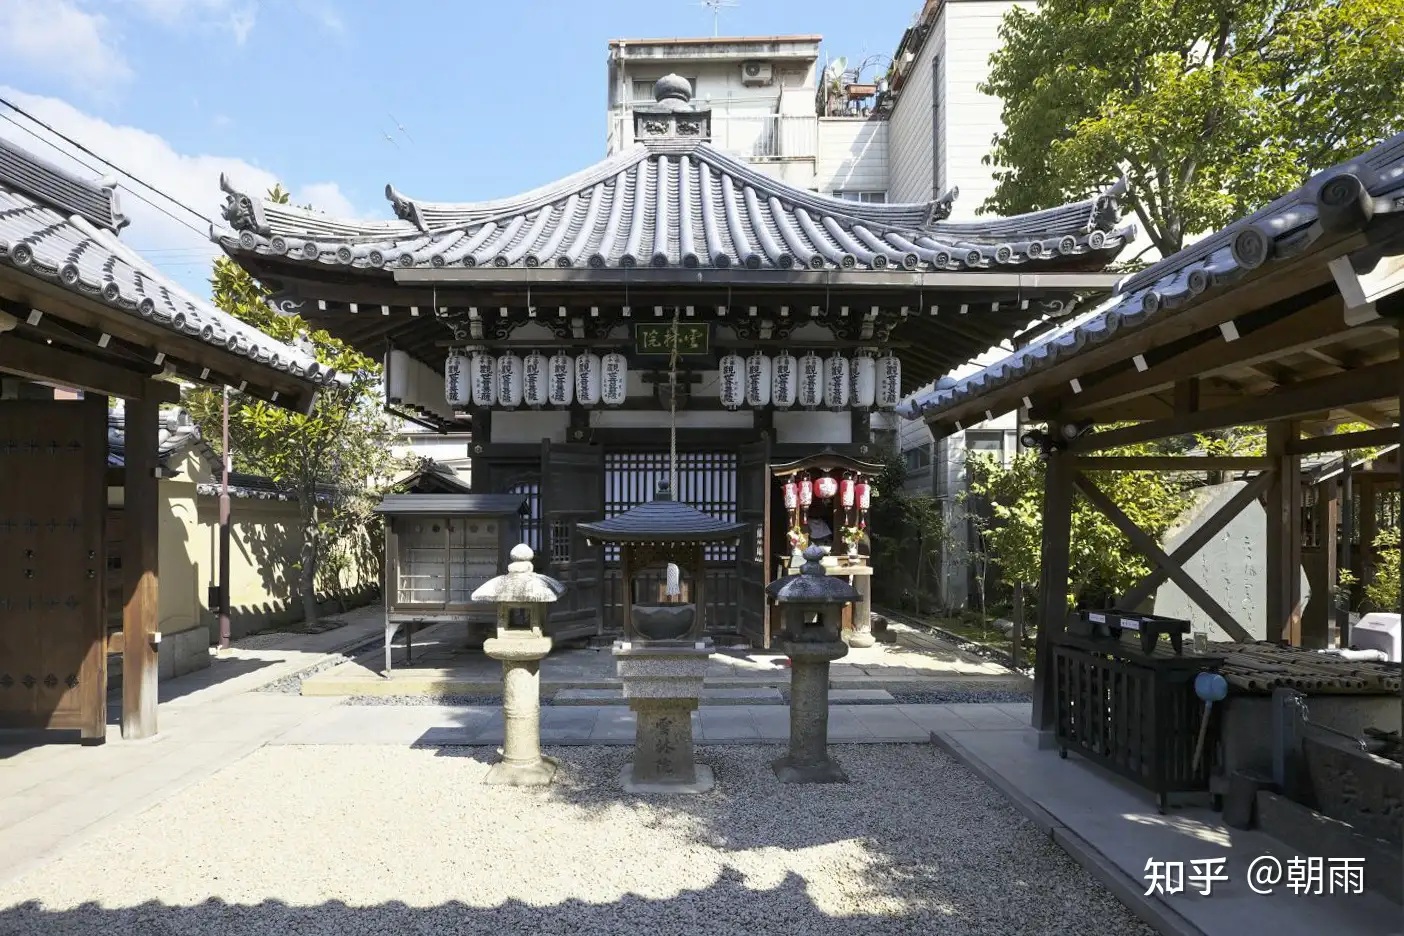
(753, 553)
(53, 654)
(572, 492)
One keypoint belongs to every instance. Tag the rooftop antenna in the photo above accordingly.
(716, 6)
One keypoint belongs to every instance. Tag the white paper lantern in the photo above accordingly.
(509, 381)
(534, 380)
(731, 371)
(397, 368)
(811, 381)
(587, 379)
(412, 397)
(864, 381)
(758, 380)
(484, 370)
(836, 381)
(783, 380)
(889, 390)
(457, 390)
(614, 384)
(560, 388)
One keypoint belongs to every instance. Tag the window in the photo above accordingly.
(917, 458)
(706, 480)
(878, 198)
(985, 440)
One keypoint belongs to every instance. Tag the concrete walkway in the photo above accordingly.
(471, 725)
(1112, 829)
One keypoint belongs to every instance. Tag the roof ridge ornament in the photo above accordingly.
(243, 212)
(1106, 207)
(404, 207)
(939, 209)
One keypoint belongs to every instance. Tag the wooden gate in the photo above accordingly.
(753, 485)
(572, 492)
(53, 661)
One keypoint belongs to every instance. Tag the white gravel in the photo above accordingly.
(350, 840)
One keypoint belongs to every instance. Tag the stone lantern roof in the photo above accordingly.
(522, 584)
(662, 520)
(812, 585)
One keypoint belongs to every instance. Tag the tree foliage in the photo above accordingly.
(336, 460)
(1383, 589)
(1211, 107)
(1103, 562)
(908, 533)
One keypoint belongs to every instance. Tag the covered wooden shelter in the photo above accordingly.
(84, 319)
(1287, 318)
(551, 314)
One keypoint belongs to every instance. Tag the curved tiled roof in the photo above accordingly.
(662, 520)
(1283, 229)
(673, 204)
(46, 233)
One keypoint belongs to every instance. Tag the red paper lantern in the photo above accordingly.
(825, 488)
(791, 495)
(846, 492)
(864, 493)
(806, 492)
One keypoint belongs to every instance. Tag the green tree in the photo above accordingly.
(1102, 561)
(1211, 107)
(1383, 589)
(336, 460)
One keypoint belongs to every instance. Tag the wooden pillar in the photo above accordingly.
(1053, 586)
(92, 678)
(1284, 536)
(1368, 527)
(1328, 519)
(1346, 557)
(140, 637)
(699, 590)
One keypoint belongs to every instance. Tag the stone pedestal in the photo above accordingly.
(522, 763)
(808, 760)
(662, 681)
(861, 577)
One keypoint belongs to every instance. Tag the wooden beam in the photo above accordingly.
(1148, 547)
(1283, 536)
(140, 529)
(1198, 540)
(1174, 463)
(44, 362)
(1056, 559)
(1374, 438)
(1315, 396)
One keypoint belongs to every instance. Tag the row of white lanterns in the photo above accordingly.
(810, 381)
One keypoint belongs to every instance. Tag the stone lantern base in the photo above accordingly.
(522, 763)
(662, 680)
(809, 760)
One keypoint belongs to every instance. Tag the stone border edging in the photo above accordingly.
(1153, 911)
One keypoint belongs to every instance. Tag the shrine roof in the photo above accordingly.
(675, 203)
(662, 520)
(63, 229)
(1282, 230)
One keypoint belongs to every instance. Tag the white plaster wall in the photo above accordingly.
(1231, 567)
(910, 140)
(529, 426)
(852, 155)
(813, 426)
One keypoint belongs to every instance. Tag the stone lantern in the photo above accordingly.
(811, 622)
(522, 597)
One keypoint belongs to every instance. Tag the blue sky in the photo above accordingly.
(496, 98)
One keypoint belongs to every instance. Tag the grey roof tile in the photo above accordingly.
(53, 227)
(674, 204)
(1278, 231)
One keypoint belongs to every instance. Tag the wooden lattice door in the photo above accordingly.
(753, 555)
(572, 492)
(53, 661)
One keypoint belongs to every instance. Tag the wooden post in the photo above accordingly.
(1284, 540)
(699, 591)
(140, 524)
(1328, 526)
(1347, 553)
(92, 678)
(1053, 587)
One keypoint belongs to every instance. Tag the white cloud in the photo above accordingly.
(59, 38)
(180, 252)
(236, 16)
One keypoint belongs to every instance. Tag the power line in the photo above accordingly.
(72, 142)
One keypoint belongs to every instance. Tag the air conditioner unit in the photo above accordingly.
(757, 73)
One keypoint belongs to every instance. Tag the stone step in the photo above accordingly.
(859, 696)
(710, 696)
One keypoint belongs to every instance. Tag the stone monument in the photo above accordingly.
(522, 597)
(811, 622)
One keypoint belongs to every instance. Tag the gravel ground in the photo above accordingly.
(351, 840)
(292, 684)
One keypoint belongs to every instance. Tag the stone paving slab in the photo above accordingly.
(1112, 829)
(711, 695)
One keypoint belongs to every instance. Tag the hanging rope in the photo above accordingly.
(673, 409)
